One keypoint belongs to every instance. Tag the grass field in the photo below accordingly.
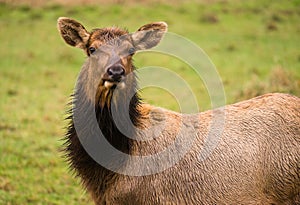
(254, 45)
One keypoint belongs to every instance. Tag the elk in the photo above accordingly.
(256, 161)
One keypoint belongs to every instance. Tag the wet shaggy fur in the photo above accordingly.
(256, 160)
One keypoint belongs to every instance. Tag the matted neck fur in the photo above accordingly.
(256, 160)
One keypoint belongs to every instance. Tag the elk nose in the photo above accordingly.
(116, 72)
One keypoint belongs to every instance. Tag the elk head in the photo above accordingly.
(110, 50)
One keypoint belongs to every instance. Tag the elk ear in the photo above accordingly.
(73, 32)
(149, 35)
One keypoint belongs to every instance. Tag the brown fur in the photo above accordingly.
(257, 160)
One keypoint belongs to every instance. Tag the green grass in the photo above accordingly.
(254, 45)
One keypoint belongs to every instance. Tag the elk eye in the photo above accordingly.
(92, 49)
(131, 51)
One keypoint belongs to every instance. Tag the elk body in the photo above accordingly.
(257, 159)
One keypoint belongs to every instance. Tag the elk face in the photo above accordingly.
(111, 49)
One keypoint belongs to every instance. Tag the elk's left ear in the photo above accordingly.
(149, 35)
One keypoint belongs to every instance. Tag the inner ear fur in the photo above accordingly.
(73, 32)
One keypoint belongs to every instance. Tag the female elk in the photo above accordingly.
(257, 160)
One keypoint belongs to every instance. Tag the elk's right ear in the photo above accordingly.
(149, 35)
(73, 32)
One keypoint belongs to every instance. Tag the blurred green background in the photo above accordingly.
(254, 45)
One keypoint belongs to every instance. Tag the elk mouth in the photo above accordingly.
(113, 84)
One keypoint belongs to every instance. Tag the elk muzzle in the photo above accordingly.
(114, 75)
(116, 72)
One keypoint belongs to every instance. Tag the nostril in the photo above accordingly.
(110, 72)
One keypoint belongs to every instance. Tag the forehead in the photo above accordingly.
(106, 34)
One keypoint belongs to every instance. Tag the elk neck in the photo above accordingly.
(114, 114)
(111, 106)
